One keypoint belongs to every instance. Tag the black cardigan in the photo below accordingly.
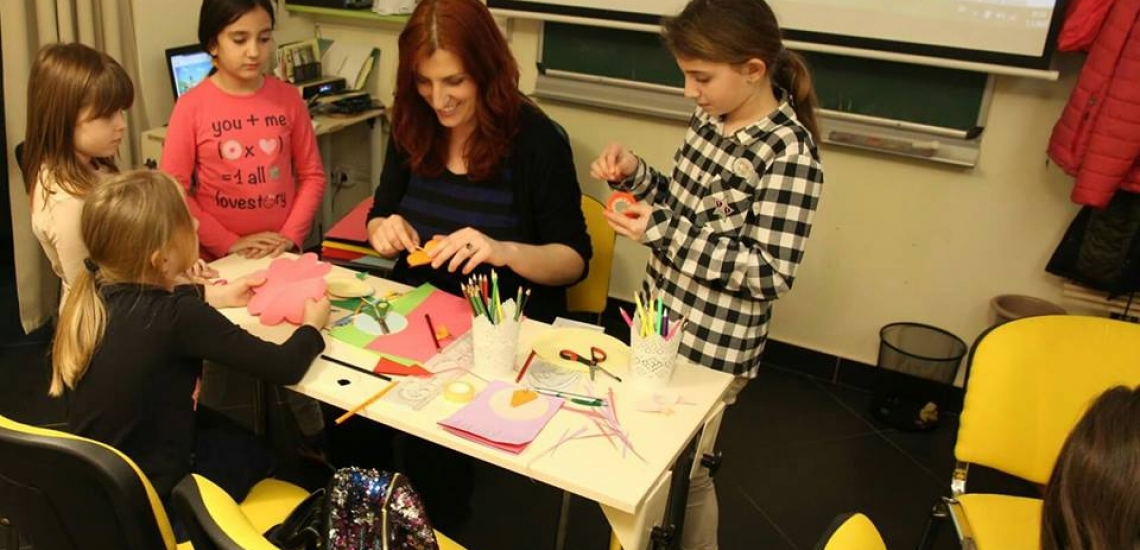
(540, 167)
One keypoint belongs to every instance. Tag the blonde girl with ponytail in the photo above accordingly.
(132, 336)
(728, 227)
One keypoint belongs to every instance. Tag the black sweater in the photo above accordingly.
(541, 204)
(137, 392)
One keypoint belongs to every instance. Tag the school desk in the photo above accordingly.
(633, 494)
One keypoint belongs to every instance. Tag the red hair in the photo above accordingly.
(466, 29)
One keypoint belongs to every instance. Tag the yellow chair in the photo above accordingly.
(66, 492)
(590, 294)
(851, 532)
(1028, 383)
(216, 522)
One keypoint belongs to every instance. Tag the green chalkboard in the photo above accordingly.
(936, 96)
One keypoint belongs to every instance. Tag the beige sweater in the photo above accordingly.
(55, 222)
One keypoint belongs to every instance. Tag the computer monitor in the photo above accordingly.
(187, 65)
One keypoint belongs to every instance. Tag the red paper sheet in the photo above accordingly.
(353, 227)
(415, 341)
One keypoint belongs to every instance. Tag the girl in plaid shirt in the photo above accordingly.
(728, 228)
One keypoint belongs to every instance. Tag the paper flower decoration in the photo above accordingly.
(288, 284)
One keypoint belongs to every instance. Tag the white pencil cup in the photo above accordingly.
(496, 346)
(652, 358)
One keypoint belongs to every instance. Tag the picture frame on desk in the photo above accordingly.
(299, 61)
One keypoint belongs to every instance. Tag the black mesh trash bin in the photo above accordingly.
(921, 351)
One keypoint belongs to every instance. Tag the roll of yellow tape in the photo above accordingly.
(459, 392)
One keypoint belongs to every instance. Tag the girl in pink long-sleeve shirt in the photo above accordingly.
(242, 143)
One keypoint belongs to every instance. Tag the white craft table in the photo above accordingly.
(632, 493)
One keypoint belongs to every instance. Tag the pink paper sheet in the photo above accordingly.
(492, 421)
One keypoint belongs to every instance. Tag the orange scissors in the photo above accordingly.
(597, 355)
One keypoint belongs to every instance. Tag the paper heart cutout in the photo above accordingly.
(288, 284)
(522, 397)
(420, 257)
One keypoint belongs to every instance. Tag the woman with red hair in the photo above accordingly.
(476, 164)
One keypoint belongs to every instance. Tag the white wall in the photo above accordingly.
(894, 240)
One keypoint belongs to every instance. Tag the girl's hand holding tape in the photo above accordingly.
(632, 221)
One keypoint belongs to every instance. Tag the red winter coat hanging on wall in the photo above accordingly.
(1097, 139)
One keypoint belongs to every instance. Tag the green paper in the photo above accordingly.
(412, 299)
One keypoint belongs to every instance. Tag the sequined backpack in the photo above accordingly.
(361, 509)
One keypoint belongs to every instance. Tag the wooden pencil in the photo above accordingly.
(365, 404)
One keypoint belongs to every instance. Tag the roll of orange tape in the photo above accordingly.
(620, 201)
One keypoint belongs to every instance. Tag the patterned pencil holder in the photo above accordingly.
(496, 345)
(652, 358)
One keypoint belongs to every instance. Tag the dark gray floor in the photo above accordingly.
(797, 452)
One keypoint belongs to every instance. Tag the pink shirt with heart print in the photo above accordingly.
(255, 160)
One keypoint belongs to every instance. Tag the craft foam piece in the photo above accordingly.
(522, 397)
(388, 366)
(420, 257)
(288, 284)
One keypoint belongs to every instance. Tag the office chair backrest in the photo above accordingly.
(851, 532)
(65, 492)
(1030, 380)
(590, 294)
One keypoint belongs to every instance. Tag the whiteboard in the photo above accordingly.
(1001, 27)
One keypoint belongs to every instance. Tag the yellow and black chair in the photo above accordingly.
(590, 294)
(1028, 383)
(216, 522)
(65, 492)
(851, 532)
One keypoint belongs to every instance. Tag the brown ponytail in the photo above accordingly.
(791, 73)
(736, 31)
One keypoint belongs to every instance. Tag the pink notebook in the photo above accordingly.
(495, 421)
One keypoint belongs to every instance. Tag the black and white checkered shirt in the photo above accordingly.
(728, 231)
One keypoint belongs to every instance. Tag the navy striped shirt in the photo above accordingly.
(534, 199)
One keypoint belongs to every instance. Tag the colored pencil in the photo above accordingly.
(365, 404)
(431, 328)
(640, 313)
(659, 329)
(676, 327)
(526, 365)
(625, 317)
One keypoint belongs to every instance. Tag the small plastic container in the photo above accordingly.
(1008, 307)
